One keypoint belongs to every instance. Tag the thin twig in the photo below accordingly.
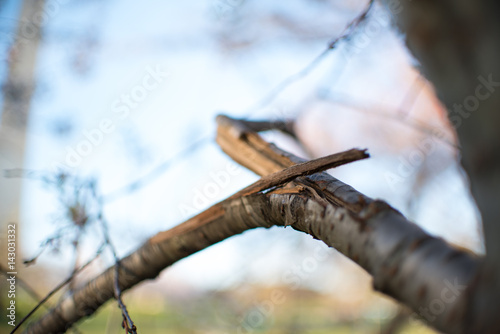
(58, 236)
(377, 111)
(411, 96)
(161, 168)
(302, 169)
(57, 288)
(31, 292)
(285, 126)
(76, 253)
(156, 171)
(127, 322)
(265, 183)
(345, 35)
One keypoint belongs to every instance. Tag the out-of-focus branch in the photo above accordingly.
(155, 172)
(345, 35)
(57, 288)
(25, 286)
(397, 322)
(285, 126)
(127, 322)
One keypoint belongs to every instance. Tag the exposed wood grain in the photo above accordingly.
(303, 169)
(267, 182)
(402, 258)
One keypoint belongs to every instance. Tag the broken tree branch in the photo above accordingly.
(195, 231)
(421, 271)
(405, 262)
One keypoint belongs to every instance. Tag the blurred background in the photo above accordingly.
(109, 107)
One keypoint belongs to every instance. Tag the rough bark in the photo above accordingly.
(404, 261)
(458, 46)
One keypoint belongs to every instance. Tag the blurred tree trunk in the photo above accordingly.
(458, 46)
(17, 93)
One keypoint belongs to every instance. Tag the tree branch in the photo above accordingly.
(207, 228)
(405, 262)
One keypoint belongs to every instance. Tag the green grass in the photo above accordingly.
(211, 314)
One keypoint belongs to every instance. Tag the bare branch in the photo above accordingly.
(127, 322)
(392, 115)
(345, 35)
(31, 292)
(155, 172)
(405, 262)
(167, 247)
(285, 126)
(57, 288)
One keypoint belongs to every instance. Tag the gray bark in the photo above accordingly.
(405, 262)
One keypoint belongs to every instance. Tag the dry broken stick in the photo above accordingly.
(405, 262)
(267, 182)
(421, 271)
(215, 224)
(302, 169)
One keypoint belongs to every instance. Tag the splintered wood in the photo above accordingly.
(275, 179)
